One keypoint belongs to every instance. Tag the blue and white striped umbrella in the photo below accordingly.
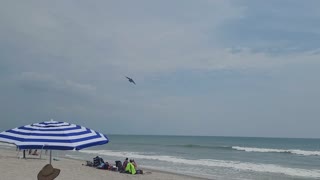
(53, 135)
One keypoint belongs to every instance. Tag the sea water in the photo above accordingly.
(214, 157)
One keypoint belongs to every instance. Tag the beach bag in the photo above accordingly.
(119, 165)
(139, 171)
(112, 168)
(100, 166)
(103, 166)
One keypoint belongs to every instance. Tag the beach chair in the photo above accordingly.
(97, 161)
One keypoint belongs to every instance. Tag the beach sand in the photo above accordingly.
(14, 168)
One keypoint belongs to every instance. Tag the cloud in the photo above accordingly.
(274, 27)
(117, 39)
(74, 35)
(47, 83)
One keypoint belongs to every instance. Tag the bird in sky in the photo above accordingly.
(130, 80)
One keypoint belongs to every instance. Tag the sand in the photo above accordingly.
(13, 167)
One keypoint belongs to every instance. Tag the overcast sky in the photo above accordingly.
(220, 68)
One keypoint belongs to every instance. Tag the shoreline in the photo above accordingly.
(147, 170)
(11, 165)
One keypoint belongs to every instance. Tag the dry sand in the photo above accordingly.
(14, 168)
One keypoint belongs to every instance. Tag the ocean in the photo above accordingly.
(215, 157)
(218, 158)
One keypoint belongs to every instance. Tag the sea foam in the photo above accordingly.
(266, 150)
(244, 166)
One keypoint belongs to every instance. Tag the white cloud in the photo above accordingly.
(131, 40)
(48, 82)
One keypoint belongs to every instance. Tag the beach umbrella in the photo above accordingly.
(53, 135)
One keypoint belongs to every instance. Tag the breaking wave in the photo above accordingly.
(244, 166)
(266, 150)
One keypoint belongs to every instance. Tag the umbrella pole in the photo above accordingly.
(50, 156)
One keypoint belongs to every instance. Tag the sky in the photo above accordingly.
(202, 68)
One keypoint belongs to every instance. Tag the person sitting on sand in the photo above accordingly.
(138, 171)
(130, 168)
(125, 162)
(48, 173)
(134, 164)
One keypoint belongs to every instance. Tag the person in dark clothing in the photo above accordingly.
(125, 162)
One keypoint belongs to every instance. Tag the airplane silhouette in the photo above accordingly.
(130, 80)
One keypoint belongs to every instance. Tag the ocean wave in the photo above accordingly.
(266, 150)
(200, 146)
(7, 144)
(245, 166)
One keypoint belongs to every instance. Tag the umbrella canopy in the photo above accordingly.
(53, 135)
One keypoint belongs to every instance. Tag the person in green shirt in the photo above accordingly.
(130, 168)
